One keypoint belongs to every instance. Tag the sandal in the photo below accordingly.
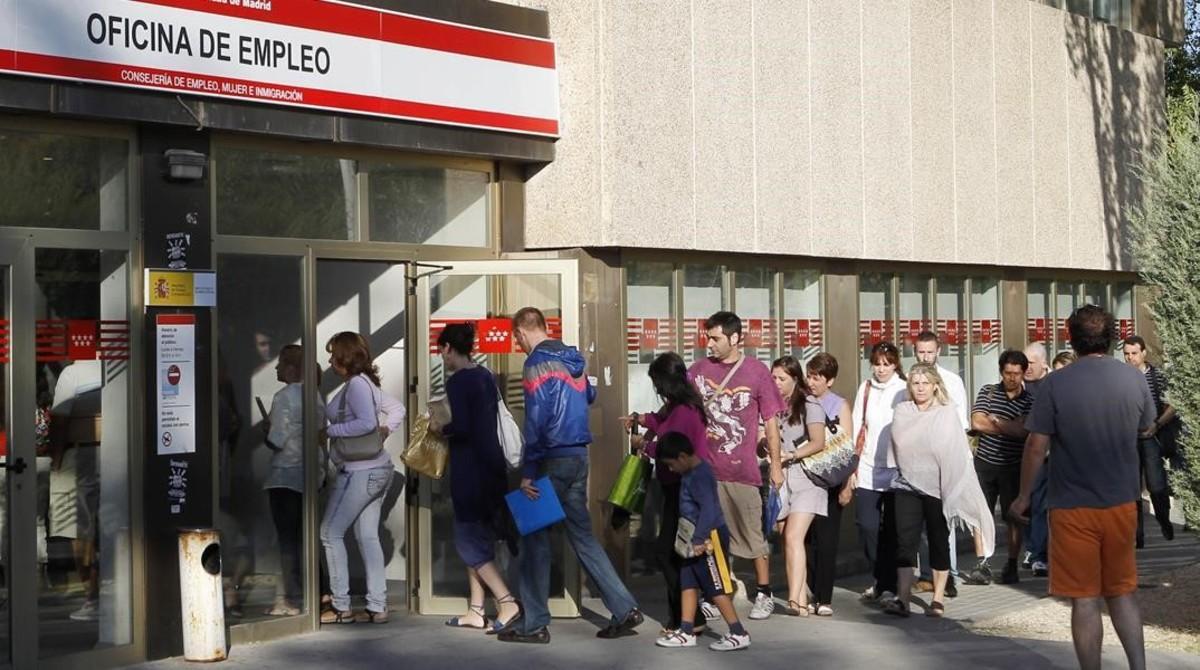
(824, 610)
(896, 608)
(457, 622)
(282, 608)
(796, 609)
(368, 616)
(936, 609)
(499, 626)
(335, 615)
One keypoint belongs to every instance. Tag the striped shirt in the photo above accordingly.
(1001, 449)
(1157, 380)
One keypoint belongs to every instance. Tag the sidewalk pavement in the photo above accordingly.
(858, 636)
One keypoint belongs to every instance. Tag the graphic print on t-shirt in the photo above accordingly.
(725, 429)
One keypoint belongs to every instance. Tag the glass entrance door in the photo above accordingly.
(477, 291)
(66, 555)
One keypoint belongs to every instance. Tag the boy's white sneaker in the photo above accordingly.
(763, 606)
(730, 642)
(710, 611)
(676, 639)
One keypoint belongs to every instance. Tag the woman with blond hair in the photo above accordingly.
(364, 471)
(936, 486)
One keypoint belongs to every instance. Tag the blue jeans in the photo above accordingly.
(356, 498)
(1154, 469)
(1039, 522)
(569, 476)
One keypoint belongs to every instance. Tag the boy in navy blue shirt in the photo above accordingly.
(706, 570)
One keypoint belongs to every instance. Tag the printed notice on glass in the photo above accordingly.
(176, 383)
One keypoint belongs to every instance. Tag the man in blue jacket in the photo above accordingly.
(557, 395)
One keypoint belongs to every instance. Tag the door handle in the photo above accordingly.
(18, 466)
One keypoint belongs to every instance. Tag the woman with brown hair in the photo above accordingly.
(802, 433)
(874, 402)
(364, 471)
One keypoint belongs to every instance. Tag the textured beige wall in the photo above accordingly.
(972, 131)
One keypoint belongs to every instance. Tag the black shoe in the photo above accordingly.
(1140, 543)
(1168, 530)
(539, 636)
(623, 627)
(1010, 576)
(980, 576)
(951, 589)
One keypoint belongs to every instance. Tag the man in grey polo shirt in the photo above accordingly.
(1094, 410)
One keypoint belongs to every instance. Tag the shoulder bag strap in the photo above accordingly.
(860, 441)
(724, 382)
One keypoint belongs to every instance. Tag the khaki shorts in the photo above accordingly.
(742, 506)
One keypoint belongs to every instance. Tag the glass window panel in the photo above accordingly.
(428, 205)
(650, 327)
(986, 333)
(755, 301)
(915, 315)
(876, 314)
(261, 312)
(1095, 293)
(63, 181)
(803, 330)
(1039, 309)
(286, 195)
(952, 327)
(83, 434)
(702, 296)
(1066, 301)
(1122, 309)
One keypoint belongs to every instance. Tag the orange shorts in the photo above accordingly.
(1092, 551)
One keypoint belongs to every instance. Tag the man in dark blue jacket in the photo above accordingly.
(557, 395)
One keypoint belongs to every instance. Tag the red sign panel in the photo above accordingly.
(701, 334)
(802, 332)
(3, 340)
(648, 340)
(494, 336)
(81, 340)
(1126, 328)
(754, 333)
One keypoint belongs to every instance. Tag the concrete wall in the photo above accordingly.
(973, 131)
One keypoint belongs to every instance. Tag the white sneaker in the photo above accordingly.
(731, 642)
(89, 612)
(676, 639)
(710, 611)
(885, 598)
(868, 595)
(763, 606)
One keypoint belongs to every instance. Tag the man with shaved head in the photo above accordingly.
(1039, 366)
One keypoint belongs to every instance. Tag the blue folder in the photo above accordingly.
(534, 515)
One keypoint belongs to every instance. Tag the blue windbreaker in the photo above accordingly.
(557, 395)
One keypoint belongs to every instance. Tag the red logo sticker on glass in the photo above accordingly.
(803, 336)
(754, 334)
(81, 340)
(701, 334)
(494, 336)
(3, 340)
(649, 339)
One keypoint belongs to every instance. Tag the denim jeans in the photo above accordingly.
(569, 477)
(875, 516)
(356, 498)
(1154, 469)
(1039, 522)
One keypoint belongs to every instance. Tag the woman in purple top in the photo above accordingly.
(356, 496)
(682, 412)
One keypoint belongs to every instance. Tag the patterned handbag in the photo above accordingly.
(833, 465)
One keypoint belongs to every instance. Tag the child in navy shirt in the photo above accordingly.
(706, 570)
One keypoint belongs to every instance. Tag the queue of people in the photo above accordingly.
(731, 429)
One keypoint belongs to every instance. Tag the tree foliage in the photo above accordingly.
(1183, 62)
(1166, 244)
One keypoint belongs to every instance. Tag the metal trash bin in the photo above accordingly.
(201, 595)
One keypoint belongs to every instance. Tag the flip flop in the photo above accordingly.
(936, 609)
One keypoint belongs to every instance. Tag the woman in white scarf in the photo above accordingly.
(936, 488)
